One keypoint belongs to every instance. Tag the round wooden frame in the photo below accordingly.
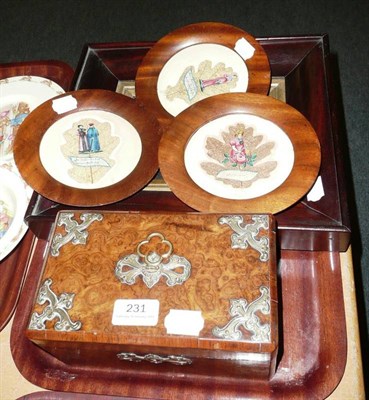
(182, 38)
(304, 140)
(31, 132)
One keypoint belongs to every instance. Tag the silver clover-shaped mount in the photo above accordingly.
(153, 264)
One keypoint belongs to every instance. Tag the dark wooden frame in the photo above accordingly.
(303, 63)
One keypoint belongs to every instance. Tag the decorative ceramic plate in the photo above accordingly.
(240, 152)
(20, 95)
(198, 61)
(88, 148)
(13, 204)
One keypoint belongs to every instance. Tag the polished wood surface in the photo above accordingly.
(305, 144)
(312, 301)
(311, 361)
(207, 32)
(57, 71)
(14, 385)
(31, 132)
(218, 274)
(12, 274)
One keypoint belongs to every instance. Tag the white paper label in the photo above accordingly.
(184, 322)
(317, 191)
(136, 312)
(244, 48)
(64, 104)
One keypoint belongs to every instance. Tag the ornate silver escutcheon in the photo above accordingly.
(153, 265)
(246, 235)
(57, 308)
(75, 232)
(244, 316)
(155, 359)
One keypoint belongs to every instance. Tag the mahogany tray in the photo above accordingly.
(311, 361)
(302, 64)
(12, 270)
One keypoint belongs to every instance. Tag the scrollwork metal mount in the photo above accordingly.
(246, 234)
(244, 316)
(155, 358)
(75, 232)
(57, 308)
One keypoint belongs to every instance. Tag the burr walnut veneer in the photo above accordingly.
(191, 292)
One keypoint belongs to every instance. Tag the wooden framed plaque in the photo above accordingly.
(300, 68)
(198, 61)
(88, 148)
(239, 152)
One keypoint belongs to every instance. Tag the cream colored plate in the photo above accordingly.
(19, 96)
(14, 200)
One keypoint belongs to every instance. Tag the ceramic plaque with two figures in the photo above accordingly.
(90, 147)
(92, 152)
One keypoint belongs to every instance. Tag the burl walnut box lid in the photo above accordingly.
(182, 280)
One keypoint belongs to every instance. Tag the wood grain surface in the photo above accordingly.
(57, 71)
(13, 269)
(219, 274)
(311, 359)
(313, 337)
(304, 140)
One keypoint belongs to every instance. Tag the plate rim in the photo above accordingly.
(36, 80)
(30, 78)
